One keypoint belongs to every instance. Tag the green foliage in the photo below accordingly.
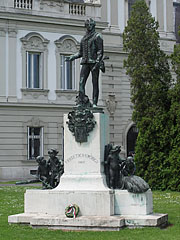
(147, 65)
(12, 202)
(174, 118)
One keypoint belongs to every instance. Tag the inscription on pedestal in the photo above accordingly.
(81, 155)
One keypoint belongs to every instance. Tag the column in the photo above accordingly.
(169, 16)
(121, 15)
(153, 9)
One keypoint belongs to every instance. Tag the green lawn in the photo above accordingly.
(12, 202)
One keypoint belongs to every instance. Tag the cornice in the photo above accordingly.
(51, 105)
(36, 18)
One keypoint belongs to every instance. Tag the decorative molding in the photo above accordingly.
(12, 33)
(111, 103)
(68, 94)
(52, 4)
(66, 44)
(35, 93)
(3, 32)
(34, 41)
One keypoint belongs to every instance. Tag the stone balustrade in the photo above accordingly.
(23, 4)
(56, 8)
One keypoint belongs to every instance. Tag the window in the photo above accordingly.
(67, 72)
(35, 142)
(67, 77)
(130, 4)
(34, 63)
(131, 139)
(34, 69)
(177, 20)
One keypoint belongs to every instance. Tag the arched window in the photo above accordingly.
(131, 139)
(34, 54)
(66, 71)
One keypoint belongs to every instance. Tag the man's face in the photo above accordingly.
(51, 154)
(89, 26)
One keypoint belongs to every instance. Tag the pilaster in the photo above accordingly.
(3, 63)
(12, 53)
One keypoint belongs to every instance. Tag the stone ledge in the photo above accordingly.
(91, 223)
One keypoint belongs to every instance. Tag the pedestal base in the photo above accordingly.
(126, 203)
(92, 223)
(52, 202)
(99, 210)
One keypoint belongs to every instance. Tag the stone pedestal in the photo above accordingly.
(84, 162)
(126, 203)
(83, 183)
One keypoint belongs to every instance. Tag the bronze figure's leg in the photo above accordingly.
(95, 82)
(85, 70)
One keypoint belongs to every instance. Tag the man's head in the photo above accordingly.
(52, 152)
(90, 24)
(40, 160)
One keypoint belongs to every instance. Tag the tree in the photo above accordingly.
(174, 116)
(150, 80)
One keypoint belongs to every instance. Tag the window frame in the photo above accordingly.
(66, 45)
(35, 43)
(64, 73)
(30, 82)
(41, 142)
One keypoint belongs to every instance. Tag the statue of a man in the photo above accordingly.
(91, 51)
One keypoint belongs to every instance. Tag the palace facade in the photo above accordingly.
(37, 86)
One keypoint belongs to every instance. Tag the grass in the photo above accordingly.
(12, 202)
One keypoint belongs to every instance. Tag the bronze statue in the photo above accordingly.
(120, 172)
(42, 172)
(48, 172)
(91, 51)
(112, 166)
(55, 168)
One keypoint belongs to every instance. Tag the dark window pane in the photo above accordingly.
(30, 131)
(30, 148)
(69, 75)
(29, 70)
(36, 58)
(35, 141)
(177, 21)
(36, 147)
(37, 131)
(131, 139)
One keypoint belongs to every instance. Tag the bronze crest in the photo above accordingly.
(81, 122)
